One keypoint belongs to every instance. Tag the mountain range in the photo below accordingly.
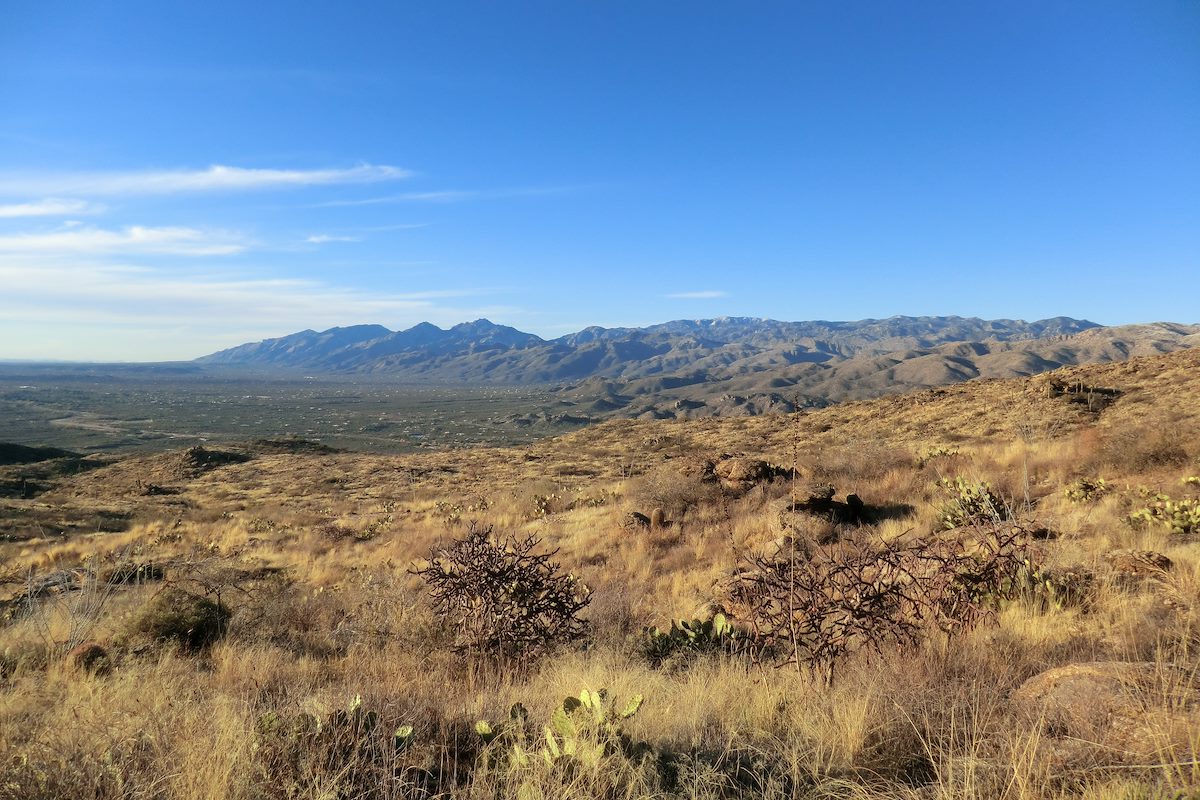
(715, 367)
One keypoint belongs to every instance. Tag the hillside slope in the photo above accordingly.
(276, 587)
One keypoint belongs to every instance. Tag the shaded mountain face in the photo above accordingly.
(716, 367)
(369, 347)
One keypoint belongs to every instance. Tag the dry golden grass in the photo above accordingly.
(312, 552)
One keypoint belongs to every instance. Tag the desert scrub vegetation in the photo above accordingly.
(969, 503)
(814, 606)
(1086, 490)
(1180, 516)
(1061, 663)
(178, 616)
(504, 600)
(685, 640)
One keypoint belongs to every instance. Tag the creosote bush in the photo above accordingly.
(503, 600)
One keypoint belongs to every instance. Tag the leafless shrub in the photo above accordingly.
(811, 606)
(672, 490)
(504, 601)
(71, 599)
(65, 606)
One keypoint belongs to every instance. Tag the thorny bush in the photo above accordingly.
(504, 601)
(812, 607)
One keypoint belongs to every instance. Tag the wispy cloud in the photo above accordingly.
(185, 307)
(323, 238)
(89, 240)
(353, 234)
(216, 178)
(49, 207)
(453, 195)
(403, 197)
(707, 294)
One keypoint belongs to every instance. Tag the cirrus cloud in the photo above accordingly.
(89, 240)
(325, 238)
(216, 178)
(48, 207)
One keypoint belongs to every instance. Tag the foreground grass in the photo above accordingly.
(311, 552)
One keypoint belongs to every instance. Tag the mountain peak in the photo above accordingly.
(481, 324)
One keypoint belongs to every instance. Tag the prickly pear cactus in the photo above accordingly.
(698, 636)
(582, 731)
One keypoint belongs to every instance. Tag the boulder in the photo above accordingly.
(701, 468)
(1108, 712)
(815, 501)
(814, 493)
(742, 473)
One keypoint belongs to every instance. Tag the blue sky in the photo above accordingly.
(176, 178)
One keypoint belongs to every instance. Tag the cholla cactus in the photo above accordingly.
(813, 610)
(505, 601)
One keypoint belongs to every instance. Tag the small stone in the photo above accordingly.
(635, 520)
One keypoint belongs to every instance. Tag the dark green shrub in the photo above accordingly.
(183, 618)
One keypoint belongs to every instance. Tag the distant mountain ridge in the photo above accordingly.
(728, 365)
(609, 351)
